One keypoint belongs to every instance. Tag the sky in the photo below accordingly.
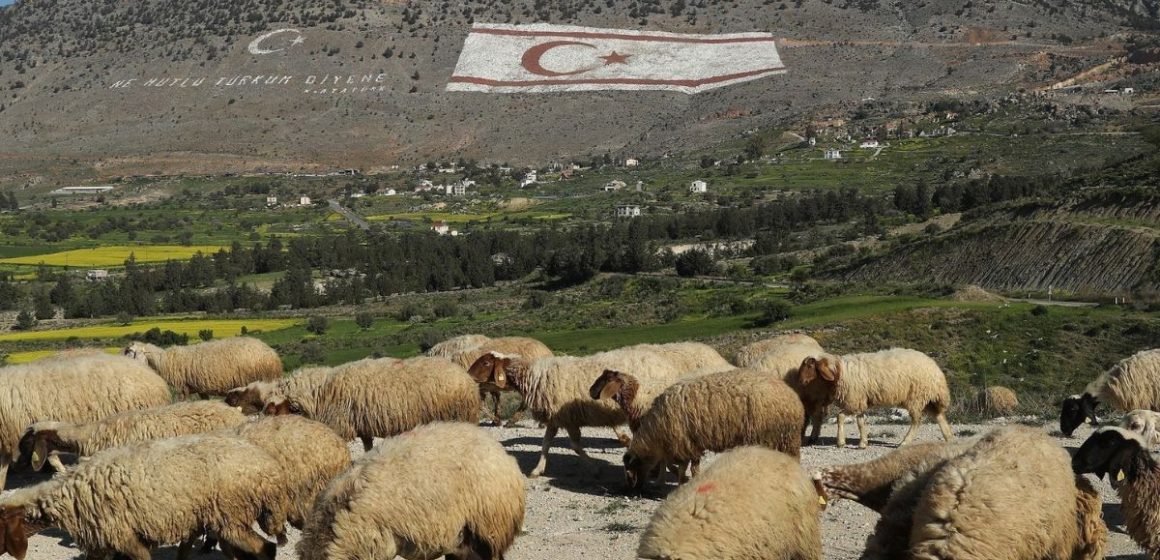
(6, 2)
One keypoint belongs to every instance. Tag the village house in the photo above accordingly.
(869, 143)
(631, 162)
(529, 179)
(832, 154)
(614, 185)
(456, 189)
(388, 192)
(271, 201)
(304, 201)
(442, 228)
(424, 186)
(627, 211)
(97, 275)
(699, 187)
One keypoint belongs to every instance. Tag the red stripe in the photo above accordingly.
(636, 37)
(613, 81)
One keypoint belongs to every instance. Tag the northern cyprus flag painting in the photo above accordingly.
(544, 58)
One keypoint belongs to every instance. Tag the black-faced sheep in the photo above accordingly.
(976, 505)
(413, 498)
(79, 387)
(751, 502)
(897, 377)
(714, 412)
(749, 354)
(127, 499)
(871, 483)
(48, 438)
(1133, 383)
(383, 397)
(465, 350)
(556, 389)
(1124, 457)
(210, 368)
(300, 385)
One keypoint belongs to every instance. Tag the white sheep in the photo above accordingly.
(78, 387)
(210, 368)
(1144, 422)
(47, 439)
(871, 483)
(556, 389)
(466, 349)
(127, 499)
(714, 412)
(686, 357)
(976, 505)
(898, 377)
(299, 385)
(1124, 457)
(751, 502)
(413, 498)
(1133, 383)
(749, 354)
(785, 359)
(382, 397)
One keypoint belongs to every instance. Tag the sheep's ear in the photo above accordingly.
(820, 489)
(13, 536)
(499, 372)
(39, 450)
(831, 372)
(808, 371)
(612, 386)
(1126, 462)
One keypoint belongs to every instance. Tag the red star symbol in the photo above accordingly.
(615, 58)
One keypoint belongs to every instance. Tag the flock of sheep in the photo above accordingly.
(150, 471)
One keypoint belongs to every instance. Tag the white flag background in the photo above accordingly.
(554, 58)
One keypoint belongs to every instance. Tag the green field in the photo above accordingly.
(33, 355)
(113, 255)
(220, 327)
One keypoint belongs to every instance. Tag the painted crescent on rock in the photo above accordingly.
(531, 59)
(255, 46)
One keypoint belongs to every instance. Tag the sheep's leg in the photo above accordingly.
(863, 441)
(368, 442)
(816, 432)
(622, 437)
(5, 460)
(184, 548)
(841, 429)
(136, 550)
(915, 420)
(517, 415)
(54, 460)
(578, 447)
(495, 419)
(549, 435)
(944, 426)
(245, 544)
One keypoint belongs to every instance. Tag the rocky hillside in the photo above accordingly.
(1102, 244)
(150, 86)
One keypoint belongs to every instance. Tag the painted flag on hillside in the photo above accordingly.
(555, 58)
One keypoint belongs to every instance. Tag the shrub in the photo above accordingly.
(160, 338)
(410, 311)
(205, 335)
(536, 300)
(124, 318)
(429, 338)
(313, 353)
(24, 321)
(695, 262)
(1039, 311)
(317, 324)
(364, 320)
(446, 309)
(773, 311)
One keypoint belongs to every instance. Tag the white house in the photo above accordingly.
(832, 153)
(627, 211)
(97, 275)
(389, 192)
(304, 201)
(529, 179)
(699, 187)
(614, 185)
(456, 189)
(869, 143)
(424, 185)
(271, 201)
(631, 162)
(442, 228)
(357, 194)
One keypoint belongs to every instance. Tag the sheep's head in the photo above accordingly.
(1116, 452)
(826, 368)
(608, 384)
(491, 368)
(1075, 410)
(42, 442)
(637, 471)
(248, 398)
(1142, 422)
(13, 534)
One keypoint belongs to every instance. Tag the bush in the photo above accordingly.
(364, 320)
(446, 309)
(317, 324)
(536, 300)
(1039, 311)
(409, 312)
(773, 311)
(695, 262)
(205, 335)
(24, 321)
(428, 339)
(124, 318)
(313, 353)
(160, 338)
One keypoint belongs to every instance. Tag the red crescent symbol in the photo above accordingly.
(531, 58)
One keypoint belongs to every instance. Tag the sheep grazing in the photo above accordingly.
(81, 387)
(299, 385)
(749, 354)
(556, 389)
(311, 455)
(997, 400)
(127, 499)
(210, 368)
(384, 397)
(412, 498)
(1124, 457)
(1133, 383)
(750, 503)
(466, 349)
(1143, 422)
(976, 505)
(715, 412)
(871, 483)
(47, 439)
(785, 360)
(889, 378)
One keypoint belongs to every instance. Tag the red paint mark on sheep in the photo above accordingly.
(707, 487)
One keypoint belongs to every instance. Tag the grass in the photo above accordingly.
(221, 328)
(33, 355)
(113, 255)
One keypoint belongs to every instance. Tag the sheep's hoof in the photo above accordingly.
(536, 473)
(863, 445)
(841, 446)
